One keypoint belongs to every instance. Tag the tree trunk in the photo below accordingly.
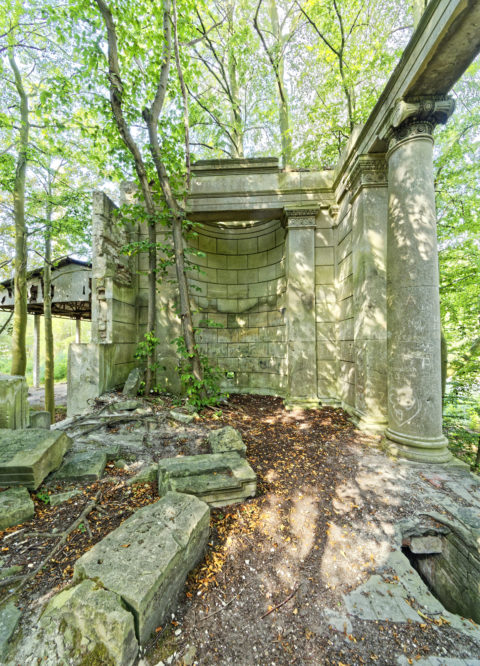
(236, 116)
(19, 353)
(283, 110)
(47, 311)
(419, 7)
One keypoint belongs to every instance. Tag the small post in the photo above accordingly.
(78, 331)
(36, 350)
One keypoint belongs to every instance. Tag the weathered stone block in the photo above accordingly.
(258, 260)
(94, 626)
(226, 439)
(27, 456)
(180, 417)
(83, 466)
(218, 478)
(40, 420)
(324, 275)
(146, 560)
(16, 507)
(14, 409)
(134, 381)
(9, 617)
(324, 256)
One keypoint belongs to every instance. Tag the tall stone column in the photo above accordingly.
(301, 327)
(368, 184)
(413, 305)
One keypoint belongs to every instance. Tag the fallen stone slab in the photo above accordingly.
(9, 617)
(180, 417)
(126, 405)
(84, 466)
(226, 439)
(40, 420)
(217, 478)
(16, 506)
(146, 560)
(59, 498)
(93, 625)
(28, 456)
(146, 475)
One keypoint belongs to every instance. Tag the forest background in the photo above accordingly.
(249, 78)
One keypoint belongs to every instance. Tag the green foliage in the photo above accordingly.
(43, 496)
(204, 392)
(458, 212)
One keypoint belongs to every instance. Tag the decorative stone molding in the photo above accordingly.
(435, 110)
(300, 218)
(418, 118)
(368, 171)
(333, 212)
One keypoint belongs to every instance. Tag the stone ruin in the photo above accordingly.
(325, 287)
(322, 285)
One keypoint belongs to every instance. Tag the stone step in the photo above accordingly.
(146, 560)
(217, 478)
(28, 456)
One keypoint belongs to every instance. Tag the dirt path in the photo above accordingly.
(273, 588)
(36, 396)
(310, 571)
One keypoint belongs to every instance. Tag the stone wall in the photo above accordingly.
(106, 361)
(239, 291)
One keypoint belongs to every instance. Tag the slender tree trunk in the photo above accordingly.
(236, 116)
(19, 353)
(276, 61)
(283, 106)
(419, 7)
(47, 312)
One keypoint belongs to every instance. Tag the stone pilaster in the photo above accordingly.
(300, 315)
(413, 306)
(368, 185)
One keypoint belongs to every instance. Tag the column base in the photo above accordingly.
(369, 424)
(425, 449)
(301, 403)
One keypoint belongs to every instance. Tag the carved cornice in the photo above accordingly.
(300, 218)
(418, 117)
(368, 171)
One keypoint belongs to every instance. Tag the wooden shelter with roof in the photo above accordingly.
(71, 297)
